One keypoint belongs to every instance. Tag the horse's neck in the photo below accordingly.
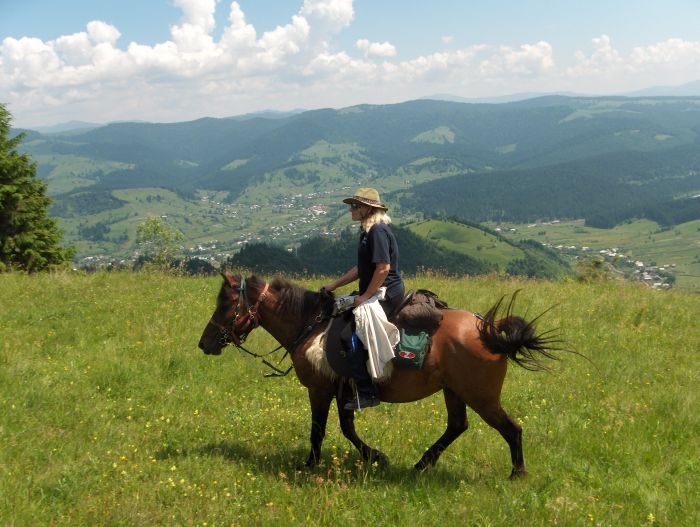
(285, 331)
(288, 328)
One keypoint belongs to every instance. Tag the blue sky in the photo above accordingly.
(171, 60)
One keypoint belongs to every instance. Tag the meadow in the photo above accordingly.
(110, 415)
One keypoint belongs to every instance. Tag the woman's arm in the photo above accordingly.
(347, 278)
(380, 273)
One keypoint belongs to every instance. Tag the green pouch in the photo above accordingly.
(410, 351)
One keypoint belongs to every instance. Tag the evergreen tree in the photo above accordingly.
(29, 239)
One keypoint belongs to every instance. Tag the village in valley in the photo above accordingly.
(619, 261)
(652, 275)
(285, 221)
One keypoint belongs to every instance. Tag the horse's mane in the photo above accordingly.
(299, 301)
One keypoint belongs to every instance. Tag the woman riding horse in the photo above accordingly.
(377, 266)
(467, 360)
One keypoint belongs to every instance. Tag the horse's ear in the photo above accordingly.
(228, 278)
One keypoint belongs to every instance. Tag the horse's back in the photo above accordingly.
(457, 358)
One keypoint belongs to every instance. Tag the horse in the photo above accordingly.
(467, 360)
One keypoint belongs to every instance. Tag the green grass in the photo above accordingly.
(110, 415)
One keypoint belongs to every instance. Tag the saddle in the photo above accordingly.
(419, 314)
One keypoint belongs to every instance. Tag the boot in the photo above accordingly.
(367, 393)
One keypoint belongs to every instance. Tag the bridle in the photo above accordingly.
(245, 320)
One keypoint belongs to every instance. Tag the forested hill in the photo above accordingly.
(604, 190)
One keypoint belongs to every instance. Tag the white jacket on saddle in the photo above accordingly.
(378, 335)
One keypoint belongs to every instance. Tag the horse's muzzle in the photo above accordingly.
(212, 350)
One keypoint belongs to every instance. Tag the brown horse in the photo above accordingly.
(467, 360)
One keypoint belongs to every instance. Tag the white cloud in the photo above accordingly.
(527, 60)
(335, 13)
(378, 49)
(673, 61)
(604, 59)
(88, 75)
(673, 51)
(102, 33)
(198, 13)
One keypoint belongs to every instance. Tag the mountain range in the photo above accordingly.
(605, 159)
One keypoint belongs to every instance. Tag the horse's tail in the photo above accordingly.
(516, 338)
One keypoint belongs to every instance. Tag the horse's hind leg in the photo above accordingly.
(511, 431)
(347, 425)
(456, 424)
(320, 405)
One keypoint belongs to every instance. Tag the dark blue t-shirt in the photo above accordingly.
(379, 246)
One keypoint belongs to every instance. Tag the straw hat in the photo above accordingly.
(367, 196)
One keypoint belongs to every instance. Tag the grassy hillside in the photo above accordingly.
(205, 221)
(468, 240)
(110, 415)
(514, 257)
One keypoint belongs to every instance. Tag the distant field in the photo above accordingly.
(643, 240)
(110, 415)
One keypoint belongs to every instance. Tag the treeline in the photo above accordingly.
(332, 256)
(666, 214)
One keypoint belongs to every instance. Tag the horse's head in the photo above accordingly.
(235, 315)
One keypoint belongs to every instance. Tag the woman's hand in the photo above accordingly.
(359, 299)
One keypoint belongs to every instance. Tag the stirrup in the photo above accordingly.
(360, 402)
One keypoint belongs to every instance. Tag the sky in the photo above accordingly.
(177, 60)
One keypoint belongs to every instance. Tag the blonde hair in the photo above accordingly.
(379, 216)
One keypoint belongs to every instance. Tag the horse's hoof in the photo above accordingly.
(380, 459)
(426, 462)
(518, 473)
(421, 466)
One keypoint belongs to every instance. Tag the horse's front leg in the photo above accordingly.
(347, 425)
(320, 405)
